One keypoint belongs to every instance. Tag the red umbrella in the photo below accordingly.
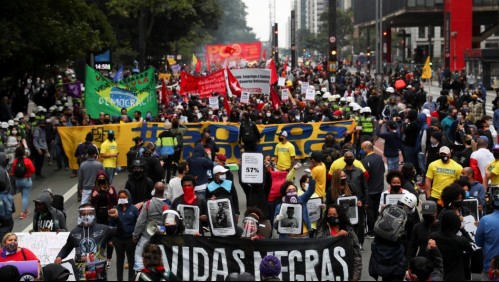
(400, 84)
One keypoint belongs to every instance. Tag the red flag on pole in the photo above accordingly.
(198, 65)
(234, 85)
(276, 102)
(164, 93)
(227, 105)
(273, 72)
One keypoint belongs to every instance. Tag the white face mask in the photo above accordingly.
(196, 111)
(122, 201)
(210, 112)
(86, 220)
(223, 176)
(14, 132)
(268, 114)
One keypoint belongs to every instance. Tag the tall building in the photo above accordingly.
(315, 9)
(300, 7)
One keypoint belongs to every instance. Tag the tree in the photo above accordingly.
(233, 26)
(40, 34)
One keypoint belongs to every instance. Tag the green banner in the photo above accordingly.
(135, 93)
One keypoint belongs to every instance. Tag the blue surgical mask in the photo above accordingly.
(362, 153)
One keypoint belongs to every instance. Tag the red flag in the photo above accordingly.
(198, 65)
(264, 56)
(227, 105)
(164, 94)
(276, 102)
(234, 85)
(273, 72)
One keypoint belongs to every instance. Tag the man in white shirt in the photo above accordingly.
(481, 158)
(175, 186)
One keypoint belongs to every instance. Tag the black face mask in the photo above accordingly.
(464, 179)
(444, 159)
(395, 188)
(496, 155)
(349, 161)
(171, 230)
(106, 120)
(343, 181)
(428, 218)
(138, 174)
(281, 139)
(101, 181)
(333, 220)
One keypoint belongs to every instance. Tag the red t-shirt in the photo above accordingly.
(29, 167)
(19, 256)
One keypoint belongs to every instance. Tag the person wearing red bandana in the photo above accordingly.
(189, 198)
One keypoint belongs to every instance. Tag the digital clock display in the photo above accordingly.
(102, 66)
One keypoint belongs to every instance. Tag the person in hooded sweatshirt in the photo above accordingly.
(152, 211)
(88, 238)
(452, 246)
(200, 166)
(55, 272)
(47, 218)
(189, 198)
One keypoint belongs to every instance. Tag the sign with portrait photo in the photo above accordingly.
(350, 204)
(190, 218)
(314, 209)
(220, 216)
(292, 219)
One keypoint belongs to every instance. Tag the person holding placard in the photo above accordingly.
(337, 224)
(284, 152)
(12, 252)
(189, 198)
(221, 188)
(394, 179)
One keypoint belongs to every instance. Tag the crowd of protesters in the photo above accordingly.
(438, 152)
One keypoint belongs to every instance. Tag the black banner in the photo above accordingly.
(203, 259)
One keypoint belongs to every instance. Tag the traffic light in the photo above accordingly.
(368, 53)
(334, 53)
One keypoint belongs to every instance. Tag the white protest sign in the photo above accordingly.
(285, 94)
(310, 96)
(213, 103)
(392, 199)
(253, 80)
(245, 98)
(304, 87)
(314, 209)
(281, 82)
(45, 245)
(252, 168)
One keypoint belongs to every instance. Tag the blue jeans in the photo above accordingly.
(393, 163)
(24, 185)
(110, 173)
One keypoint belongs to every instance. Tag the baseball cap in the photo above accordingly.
(110, 132)
(221, 157)
(429, 207)
(219, 169)
(444, 150)
(282, 133)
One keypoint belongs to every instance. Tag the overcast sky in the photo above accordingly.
(259, 18)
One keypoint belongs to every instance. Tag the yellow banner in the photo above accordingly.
(306, 137)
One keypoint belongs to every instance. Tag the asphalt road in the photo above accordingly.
(62, 184)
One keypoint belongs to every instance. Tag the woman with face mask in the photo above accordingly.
(124, 217)
(337, 224)
(104, 198)
(339, 187)
(394, 179)
(12, 252)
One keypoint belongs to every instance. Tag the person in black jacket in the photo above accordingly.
(421, 230)
(249, 135)
(411, 131)
(138, 184)
(209, 144)
(152, 165)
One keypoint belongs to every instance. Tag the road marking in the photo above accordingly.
(66, 196)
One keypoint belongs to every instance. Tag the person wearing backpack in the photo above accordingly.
(22, 169)
(249, 135)
(135, 152)
(388, 249)
(46, 217)
(167, 143)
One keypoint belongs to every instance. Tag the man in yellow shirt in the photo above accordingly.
(492, 170)
(441, 173)
(284, 152)
(109, 154)
(319, 174)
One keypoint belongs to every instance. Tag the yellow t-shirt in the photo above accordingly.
(494, 168)
(443, 175)
(109, 147)
(284, 152)
(340, 164)
(319, 175)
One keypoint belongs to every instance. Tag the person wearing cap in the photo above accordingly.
(368, 123)
(221, 159)
(109, 153)
(87, 174)
(492, 170)
(440, 174)
(480, 159)
(284, 152)
(167, 144)
(222, 188)
(487, 236)
(40, 145)
(419, 237)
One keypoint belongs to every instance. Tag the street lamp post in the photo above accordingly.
(454, 35)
